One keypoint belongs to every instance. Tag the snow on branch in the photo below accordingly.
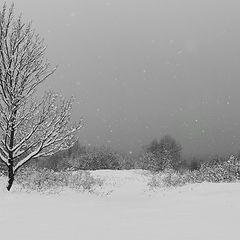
(48, 130)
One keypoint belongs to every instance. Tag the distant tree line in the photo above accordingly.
(156, 156)
(80, 157)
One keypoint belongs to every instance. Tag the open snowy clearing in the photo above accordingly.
(124, 208)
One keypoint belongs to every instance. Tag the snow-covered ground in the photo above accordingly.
(127, 209)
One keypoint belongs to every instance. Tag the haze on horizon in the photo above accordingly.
(140, 69)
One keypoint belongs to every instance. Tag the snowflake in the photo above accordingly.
(72, 14)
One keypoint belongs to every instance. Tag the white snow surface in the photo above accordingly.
(124, 208)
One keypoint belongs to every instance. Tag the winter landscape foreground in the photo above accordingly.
(123, 208)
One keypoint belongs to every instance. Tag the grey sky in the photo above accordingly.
(140, 69)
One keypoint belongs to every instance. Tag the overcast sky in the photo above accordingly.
(140, 69)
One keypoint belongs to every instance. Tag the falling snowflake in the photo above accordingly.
(72, 14)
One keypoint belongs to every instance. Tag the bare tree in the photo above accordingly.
(165, 153)
(29, 128)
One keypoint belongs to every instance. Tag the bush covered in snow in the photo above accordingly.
(45, 180)
(96, 158)
(224, 171)
(173, 178)
(155, 163)
(221, 171)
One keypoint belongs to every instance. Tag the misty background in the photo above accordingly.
(140, 69)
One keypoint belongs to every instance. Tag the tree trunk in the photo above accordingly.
(10, 177)
(11, 143)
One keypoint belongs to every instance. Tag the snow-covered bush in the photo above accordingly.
(156, 162)
(82, 180)
(225, 171)
(45, 180)
(165, 178)
(40, 180)
(149, 162)
(173, 178)
(94, 159)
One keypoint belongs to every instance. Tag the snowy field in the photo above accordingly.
(125, 208)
